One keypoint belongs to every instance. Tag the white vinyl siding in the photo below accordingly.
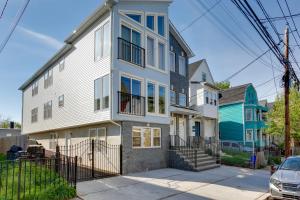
(146, 137)
(182, 67)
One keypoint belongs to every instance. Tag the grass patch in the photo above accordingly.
(235, 158)
(33, 180)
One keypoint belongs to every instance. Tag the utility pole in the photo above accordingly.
(286, 96)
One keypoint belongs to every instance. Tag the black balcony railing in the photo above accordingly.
(131, 52)
(131, 104)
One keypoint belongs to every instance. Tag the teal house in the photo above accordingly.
(241, 117)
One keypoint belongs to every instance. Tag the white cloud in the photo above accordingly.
(45, 39)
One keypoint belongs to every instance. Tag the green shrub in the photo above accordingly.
(274, 160)
(235, 158)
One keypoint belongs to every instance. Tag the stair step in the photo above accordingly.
(199, 156)
(207, 167)
(203, 163)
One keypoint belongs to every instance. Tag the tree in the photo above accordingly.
(275, 117)
(223, 85)
(5, 122)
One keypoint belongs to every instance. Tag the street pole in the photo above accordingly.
(286, 96)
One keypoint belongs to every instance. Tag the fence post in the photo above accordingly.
(121, 159)
(19, 178)
(195, 157)
(57, 157)
(68, 169)
(75, 172)
(93, 158)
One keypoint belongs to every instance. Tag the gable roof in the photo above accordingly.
(234, 94)
(180, 40)
(193, 67)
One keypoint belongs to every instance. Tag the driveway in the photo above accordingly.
(220, 183)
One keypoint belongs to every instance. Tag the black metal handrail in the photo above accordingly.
(131, 52)
(131, 104)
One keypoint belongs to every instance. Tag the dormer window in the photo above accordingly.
(135, 17)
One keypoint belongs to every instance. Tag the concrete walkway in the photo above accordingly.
(220, 183)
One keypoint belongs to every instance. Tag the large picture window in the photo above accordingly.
(101, 93)
(102, 41)
(146, 137)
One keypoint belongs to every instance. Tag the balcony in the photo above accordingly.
(130, 52)
(131, 104)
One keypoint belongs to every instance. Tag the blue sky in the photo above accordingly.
(46, 23)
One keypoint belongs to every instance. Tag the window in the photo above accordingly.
(162, 100)
(34, 115)
(161, 25)
(102, 41)
(249, 115)
(146, 137)
(61, 65)
(172, 97)
(35, 88)
(206, 97)
(53, 140)
(101, 93)
(150, 51)
(131, 53)
(257, 134)
(182, 67)
(182, 99)
(48, 78)
(249, 135)
(161, 56)
(150, 22)
(151, 98)
(61, 101)
(203, 77)
(135, 17)
(48, 110)
(97, 134)
(172, 61)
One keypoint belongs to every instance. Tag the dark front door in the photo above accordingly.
(197, 129)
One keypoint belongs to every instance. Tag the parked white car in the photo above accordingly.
(285, 182)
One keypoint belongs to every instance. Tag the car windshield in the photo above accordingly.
(291, 164)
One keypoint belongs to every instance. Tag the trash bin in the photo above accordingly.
(253, 161)
(12, 153)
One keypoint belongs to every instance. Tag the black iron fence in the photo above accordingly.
(131, 52)
(29, 178)
(131, 104)
(96, 158)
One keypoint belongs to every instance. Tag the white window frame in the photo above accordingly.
(48, 110)
(53, 142)
(184, 66)
(157, 84)
(61, 65)
(251, 130)
(172, 67)
(165, 56)
(97, 136)
(34, 115)
(154, 51)
(134, 12)
(155, 21)
(246, 113)
(142, 137)
(48, 78)
(61, 101)
(101, 29)
(101, 93)
(35, 88)
(165, 24)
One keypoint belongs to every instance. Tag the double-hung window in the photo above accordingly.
(102, 41)
(150, 22)
(182, 66)
(48, 78)
(249, 114)
(146, 137)
(48, 110)
(61, 65)
(151, 97)
(161, 25)
(161, 56)
(35, 88)
(61, 101)
(150, 51)
(182, 99)
(101, 93)
(172, 61)
(34, 115)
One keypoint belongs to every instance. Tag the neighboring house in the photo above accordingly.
(110, 81)
(204, 98)
(241, 117)
(8, 132)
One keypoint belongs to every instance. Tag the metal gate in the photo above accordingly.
(96, 158)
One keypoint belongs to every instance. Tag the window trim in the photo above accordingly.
(48, 80)
(61, 65)
(154, 51)
(63, 101)
(157, 84)
(53, 140)
(251, 111)
(48, 116)
(101, 29)
(37, 115)
(142, 137)
(185, 70)
(165, 24)
(171, 68)
(101, 93)
(35, 88)
(134, 12)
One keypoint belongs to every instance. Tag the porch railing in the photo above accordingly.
(131, 52)
(131, 104)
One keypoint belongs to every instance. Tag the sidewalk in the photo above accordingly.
(220, 183)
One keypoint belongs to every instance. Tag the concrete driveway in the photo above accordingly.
(220, 183)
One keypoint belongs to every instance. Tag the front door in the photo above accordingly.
(197, 129)
(182, 130)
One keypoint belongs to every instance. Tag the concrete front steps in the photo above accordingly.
(192, 160)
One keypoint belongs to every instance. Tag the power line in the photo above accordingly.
(279, 18)
(202, 15)
(14, 24)
(273, 73)
(287, 5)
(2, 12)
(273, 78)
